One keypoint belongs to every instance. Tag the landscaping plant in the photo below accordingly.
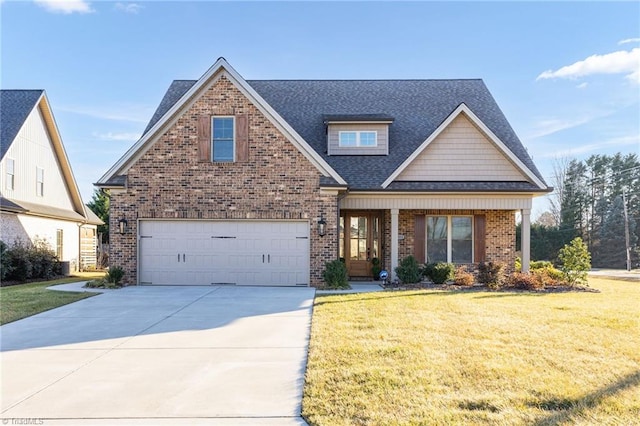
(463, 277)
(409, 271)
(491, 274)
(576, 262)
(335, 275)
(442, 272)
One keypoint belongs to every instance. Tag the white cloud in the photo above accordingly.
(620, 62)
(131, 113)
(133, 8)
(65, 6)
(582, 85)
(553, 125)
(110, 136)
(629, 40)
(598, 146)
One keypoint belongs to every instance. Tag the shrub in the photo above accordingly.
(540, 264)
(335, 275)
(525, 281)
(491, 274)
(376, 268)
(408, 271)
(442, 272)
(115, 275)
(576, 262)
(5, 263)
(20, 268)
(427, 270)
(463, 277)
(43, 260)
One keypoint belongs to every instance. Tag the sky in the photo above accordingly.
(565, 74)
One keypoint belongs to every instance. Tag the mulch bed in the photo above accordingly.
(425, 285)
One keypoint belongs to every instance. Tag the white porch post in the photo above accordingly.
(526, 239)
(394, 242)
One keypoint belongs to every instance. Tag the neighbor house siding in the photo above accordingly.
(168, 181)
(461, 153)
(31, 149)
(334, 147)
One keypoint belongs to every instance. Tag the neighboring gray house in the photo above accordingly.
(39, 198)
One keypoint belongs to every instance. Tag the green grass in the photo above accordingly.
(23, 300)
(448, 358)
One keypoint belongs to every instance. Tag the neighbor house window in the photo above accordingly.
(39, 182)
(358, 138)
(59, 240)
(450, 239)
(223, 140)
(10, 178)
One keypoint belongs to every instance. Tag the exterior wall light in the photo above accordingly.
(322, 226)
(122, 226)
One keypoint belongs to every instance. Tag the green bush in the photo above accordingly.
(540, 264)
(576, 262)
(5, 263)
(43, 260)
(442, 272)
(376, 268)
(463, 277)
(335, 275)
(427, 270)
(115, 275)
(408, 271)
(491, 274)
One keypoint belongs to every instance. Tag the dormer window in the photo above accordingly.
(358, 138)
(358, 134)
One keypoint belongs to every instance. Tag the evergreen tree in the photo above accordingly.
(99, 204)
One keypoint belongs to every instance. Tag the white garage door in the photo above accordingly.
(191, 252)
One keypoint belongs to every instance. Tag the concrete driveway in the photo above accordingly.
(161, 355)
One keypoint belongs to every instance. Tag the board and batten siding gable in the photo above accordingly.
(461, 153)
(33, 148)
(334, 147)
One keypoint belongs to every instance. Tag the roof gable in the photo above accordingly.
(186, 94)
(463, 149)
(17, 106)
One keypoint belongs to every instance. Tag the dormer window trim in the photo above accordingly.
(357, 138)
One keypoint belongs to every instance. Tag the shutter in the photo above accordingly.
(242, 138)
(479, 239)
(204, 138)
(418, 239)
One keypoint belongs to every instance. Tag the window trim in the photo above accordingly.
(234, 140)
(39, 182)
(449, 235)
(358, 138)
(10, 174)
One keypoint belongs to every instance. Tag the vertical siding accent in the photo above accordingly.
(242, 138)
(479, 240)
(204, 138)
(419, 242)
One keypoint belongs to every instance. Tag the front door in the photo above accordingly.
(362, 242)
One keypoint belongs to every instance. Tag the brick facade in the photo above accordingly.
(168, 181)
(500, 238)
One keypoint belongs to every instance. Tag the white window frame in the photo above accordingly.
(39, 181)
(10, 175)
(233, 118)
(358, 138)
(450, 234)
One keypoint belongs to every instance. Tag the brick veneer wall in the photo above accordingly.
(168, 181)
(500, 236)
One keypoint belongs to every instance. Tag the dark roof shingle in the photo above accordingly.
(15, 106)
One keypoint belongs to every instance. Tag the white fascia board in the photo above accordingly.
(463, 108)
(221, 66)
(61, 154)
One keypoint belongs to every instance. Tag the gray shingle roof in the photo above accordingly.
(417, 106)
(15, 106)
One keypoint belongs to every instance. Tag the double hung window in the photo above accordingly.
(450, 239)
(223, 140)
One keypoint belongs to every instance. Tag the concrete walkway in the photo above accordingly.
(161, 356)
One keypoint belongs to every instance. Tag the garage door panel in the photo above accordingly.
(239, 252)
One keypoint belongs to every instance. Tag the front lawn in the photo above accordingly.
(23, 300)
(433, 357)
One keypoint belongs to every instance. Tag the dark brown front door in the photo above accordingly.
(362, 242)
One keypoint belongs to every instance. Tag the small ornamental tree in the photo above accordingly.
(335, 275)
(408, 271)
(576, 262)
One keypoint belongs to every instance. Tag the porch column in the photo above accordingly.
(394, 242)
(526, 238)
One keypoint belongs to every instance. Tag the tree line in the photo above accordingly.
(589, 201)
